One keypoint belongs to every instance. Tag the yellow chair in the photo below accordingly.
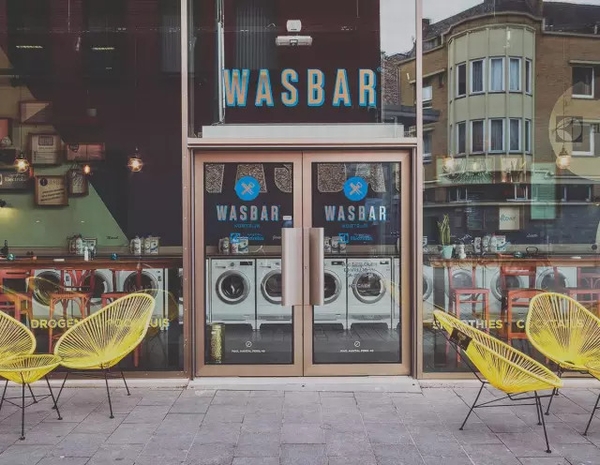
(500, 365)
(15, 338)
(102, 340)
(24, 370)
(564, 331)
(594, 369)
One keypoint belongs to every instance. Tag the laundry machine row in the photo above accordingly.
(247, 291)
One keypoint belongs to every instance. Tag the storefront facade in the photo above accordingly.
(277, 175)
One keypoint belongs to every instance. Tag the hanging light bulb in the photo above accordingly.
(87, 169)
(448, 164)
(563, 160)
(135, 163)
(21, 163)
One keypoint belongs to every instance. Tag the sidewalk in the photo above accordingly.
(193, 426)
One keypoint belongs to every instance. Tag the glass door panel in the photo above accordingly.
(360, 328)
(245, 201)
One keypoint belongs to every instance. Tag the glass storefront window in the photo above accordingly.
(90, 160)
(518, 176)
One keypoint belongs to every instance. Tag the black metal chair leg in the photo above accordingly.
(22, 412)
(3, 394)
(108, 393)
(559, 373)
(591, 416)
(540, 412)
(539, 403)
(53, 399)
(473, 406)
(60, 391)
(32, 395)
(125, 381)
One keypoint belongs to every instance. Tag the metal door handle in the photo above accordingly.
(291, 267)
(316, 241)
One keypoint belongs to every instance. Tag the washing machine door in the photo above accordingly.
(101, 285)
(512, 282)
(547, 281)
(427, 286)
(271, 287)
(368, 287)
(332, 287)
(460, 279)
(44, 284)
(232, 287)
(150, 284)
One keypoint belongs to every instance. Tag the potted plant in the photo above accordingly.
(444, 229)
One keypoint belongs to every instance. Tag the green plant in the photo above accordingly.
(444, 228)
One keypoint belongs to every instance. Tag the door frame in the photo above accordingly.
(397, 150)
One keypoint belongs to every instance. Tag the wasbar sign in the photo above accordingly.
(344, 93)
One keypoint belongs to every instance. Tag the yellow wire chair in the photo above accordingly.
(565, 332)
(103, 339)
(496, 363)
(19, 365)
(594, 368)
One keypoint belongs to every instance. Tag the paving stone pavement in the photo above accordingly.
(202, 427)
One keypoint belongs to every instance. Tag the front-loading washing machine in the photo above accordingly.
(369, 296)
(268, 296)
(232, 298)
(335, 306)
(103, 283)
(567, 277)
(44, 283)
(154, 281)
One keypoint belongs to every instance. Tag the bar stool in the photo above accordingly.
(517, 299)
(13, 301)
(513, 296)
(73, 291)
(589, 298)
(469, 295)
(109, 297)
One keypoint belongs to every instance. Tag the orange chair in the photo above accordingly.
(589, 298)
(517, 298)
(469, 295)
(513, 296)
(13, 301)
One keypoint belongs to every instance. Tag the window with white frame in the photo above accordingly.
(461, 138)
(496, 74)
(461, 80)
(514, 126)
(427, 141)
(514, 75)
(527, 136)
(496, 135)
(528, 76)
(583, 81)
(427, 96)
(477, 136)
(584, 143)
(477, 76)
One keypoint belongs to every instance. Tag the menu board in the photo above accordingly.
(51, 191)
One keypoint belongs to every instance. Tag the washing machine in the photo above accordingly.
(268, 295)
(567, 277)
(103, 283)
(494, 283)
(45, 282)
(335, 307)
(154, 283)
(397, 296)
(369, 291)
(232, 297)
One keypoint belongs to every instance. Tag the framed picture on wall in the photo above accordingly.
(85, 152)
(34, 112)
(78, 183)
(51, 191)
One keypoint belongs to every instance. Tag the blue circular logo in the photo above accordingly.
(247, 188)
(356, 189)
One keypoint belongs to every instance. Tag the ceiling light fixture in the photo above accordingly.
(563, 160)
(135, 163)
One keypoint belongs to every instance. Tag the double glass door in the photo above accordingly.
(301, 263)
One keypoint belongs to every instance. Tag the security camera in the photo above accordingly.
(293, 41)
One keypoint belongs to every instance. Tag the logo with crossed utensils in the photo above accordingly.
(356, 189)
(247, 188)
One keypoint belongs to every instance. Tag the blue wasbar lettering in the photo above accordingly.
(236, 83)
(263, 213)
(339, 213)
